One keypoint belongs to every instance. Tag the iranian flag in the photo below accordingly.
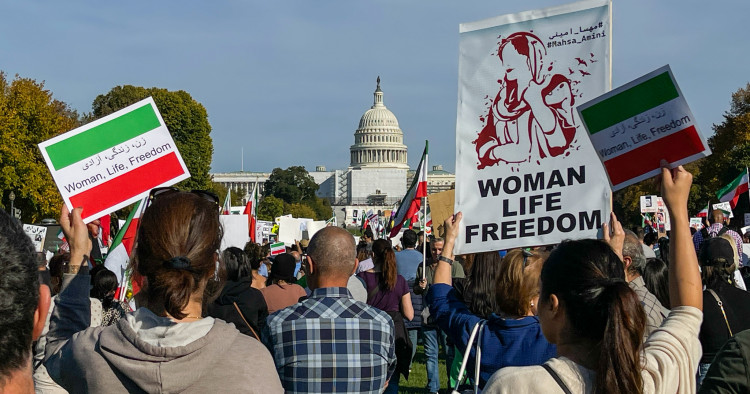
(226, 209)
(703, 212)
(277, 248)
(114, 161)
(121, 251)
(731, 192)
(250, 210)
(412, 202)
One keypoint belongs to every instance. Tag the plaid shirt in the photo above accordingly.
(331, 343)
(655, 312)
(713, 231)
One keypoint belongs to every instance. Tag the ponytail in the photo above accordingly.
(600, 307)
(619, 367)
(383, 254)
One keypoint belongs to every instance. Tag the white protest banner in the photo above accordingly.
(696, 223)
(235, 231)
(114, 161)
(37, 235)
(314, 227)
(290, 229)
(636, 125)
(663, 221)
(526, 174)
(262, 230)
(648, 204)
(724, 206)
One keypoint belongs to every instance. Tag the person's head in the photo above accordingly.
(384, 257)
(663, 248)
(734, 248)
(716, 259)
(331, 258)
(746, 237)
(632, 255)
(717, 216)
(558, 92)
(255, 254)
(25, 302)
(177, 250)
(517, 283)
(420, 237)
(104, 285)
(56, 265)
(639, 232)
(282, 269)
(585, 300)
(650, 238)
(364, 250)
(656, 277)
(409, 239)
(481, 284)
(236, 264)
(436, 247)
(368, 234)
(521, 54)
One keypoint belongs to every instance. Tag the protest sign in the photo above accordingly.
(724, 206)
(235, 231)
(114, 161)
(525, 172)
(277, 248)
(37, 235)
(648, 204)
(663, 221)
(314, 226)
(696, 223)
(636, 125)
(262, 230)
(441, 208)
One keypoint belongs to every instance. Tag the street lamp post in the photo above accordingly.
(12, 197)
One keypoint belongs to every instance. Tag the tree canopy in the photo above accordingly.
(185, 118)
(29, 115)
(296, 189)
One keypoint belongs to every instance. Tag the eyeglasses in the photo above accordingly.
(526, 255)
(163, 191)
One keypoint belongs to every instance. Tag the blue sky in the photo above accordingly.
(289, 80)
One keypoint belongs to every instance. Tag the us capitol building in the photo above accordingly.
(378, 174)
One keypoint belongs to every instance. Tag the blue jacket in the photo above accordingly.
(505, 342)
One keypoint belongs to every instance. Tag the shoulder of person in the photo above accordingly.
(519, 380)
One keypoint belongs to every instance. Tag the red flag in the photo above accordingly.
(409, 208)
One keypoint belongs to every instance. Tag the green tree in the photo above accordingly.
(185, 118)
(299, 210)
(29, 115)
(270, 208)
(292, 185)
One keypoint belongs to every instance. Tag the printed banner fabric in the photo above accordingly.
(526, 174)
(114, 161)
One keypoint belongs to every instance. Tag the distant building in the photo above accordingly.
(378, 174)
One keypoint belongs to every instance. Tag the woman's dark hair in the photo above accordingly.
(177, 242)
(663, 248)
(589, 280)
(104, 285)
(650, 238)
(236, 264)
(656, 275)
(255, 254)
(364, 251)
(56, 264)
(481, 284)
(383, 255)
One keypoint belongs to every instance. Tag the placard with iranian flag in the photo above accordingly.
(114, 161)
(636, 125)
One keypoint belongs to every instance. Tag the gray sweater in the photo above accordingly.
(143, 352)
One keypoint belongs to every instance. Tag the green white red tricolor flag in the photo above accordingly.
(703, 212)
(250, 210)
(731, 192)
(226, 209)
(121, 250)
(277, 248)
(636, 125)
(114, 161)
(412, 202)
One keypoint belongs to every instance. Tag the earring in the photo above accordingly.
(532, 304)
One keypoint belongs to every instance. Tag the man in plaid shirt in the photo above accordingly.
(330, 343)
(634, 261)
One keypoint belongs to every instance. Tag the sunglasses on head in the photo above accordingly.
(526, 255)
(163, 191)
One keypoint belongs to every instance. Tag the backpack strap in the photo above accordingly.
(722, 231)
(721, 306)
(557, 378)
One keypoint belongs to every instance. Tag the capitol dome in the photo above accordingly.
(378, 141)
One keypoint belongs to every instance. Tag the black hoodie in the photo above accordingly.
(250, 301)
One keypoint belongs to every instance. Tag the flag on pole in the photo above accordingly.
(332, 221)
(703, 212)
(411, 203)
(120, 252)
(226, 209)
(731, 192)
(250, 210)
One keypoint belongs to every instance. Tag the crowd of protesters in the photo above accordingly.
(583, 316)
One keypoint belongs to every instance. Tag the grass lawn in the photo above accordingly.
(418, 376)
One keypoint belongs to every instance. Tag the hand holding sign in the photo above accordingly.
(77, 235)
(675, 188)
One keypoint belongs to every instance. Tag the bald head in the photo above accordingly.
(717, 216)
(333, 252)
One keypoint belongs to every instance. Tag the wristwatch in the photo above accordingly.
(447, 260)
